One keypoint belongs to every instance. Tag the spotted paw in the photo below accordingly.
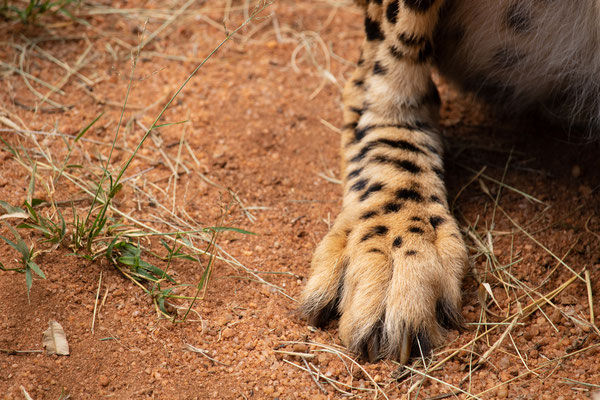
(391, 271)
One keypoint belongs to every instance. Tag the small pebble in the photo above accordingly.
(103, 380)
(502, 392)
(300, 348)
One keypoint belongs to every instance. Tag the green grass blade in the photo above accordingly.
(84, 130)
(170, 124)
(28, 281)
(10, 209)
(228, 228)
(35, 268)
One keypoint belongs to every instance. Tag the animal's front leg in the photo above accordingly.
(392, 264)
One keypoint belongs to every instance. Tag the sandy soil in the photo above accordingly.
(261, 121)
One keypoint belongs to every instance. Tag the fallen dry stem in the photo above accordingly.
(312, 375)
(433, 378)
(96, 302)
(484, 356)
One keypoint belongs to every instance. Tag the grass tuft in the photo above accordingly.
(101, 230)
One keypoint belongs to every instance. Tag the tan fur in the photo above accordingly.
(393, 262)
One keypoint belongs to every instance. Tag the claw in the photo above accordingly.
(374, 343)
(405, 347)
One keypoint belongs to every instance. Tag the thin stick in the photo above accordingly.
(295, 353)
(195, 349)
(433, 378)
(588, 285)
(164, 25)
(96, 302)
(312, 375)
(13, 352)
(33, 78)
(485, 355)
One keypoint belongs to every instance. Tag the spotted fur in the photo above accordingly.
(392, 264)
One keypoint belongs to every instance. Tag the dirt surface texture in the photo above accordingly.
(251, 142)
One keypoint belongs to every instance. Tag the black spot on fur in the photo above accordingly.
(360, 133)
(416, 229)
(354, 173)
(397, 144)
(403, 165)
(379, 69)
(376, 187)
(363, 152)
(359, 185)
(391, 13)
(401, 144)
(409, 253)
(351, 125)
(435, 199)
(439, 173)
(396, 52)
(409, 194)
(397, 242)
(420, 6)
(391, 207)
(373, 30)
(411, 40)
(368, 214)
(436, 221)
(416, 218)
(518, 17)
(359, 83)
(357, 110)
(375, 251)
(378, 230)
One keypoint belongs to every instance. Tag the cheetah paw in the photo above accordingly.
(394, 281)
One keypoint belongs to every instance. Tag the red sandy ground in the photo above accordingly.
(255, 126)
